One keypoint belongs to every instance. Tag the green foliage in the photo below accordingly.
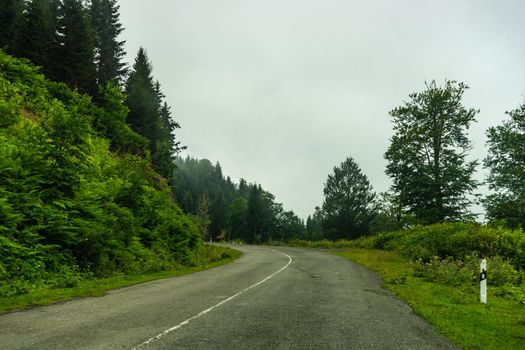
(209, 254)
(194, 178)
(452, 307)
(257, 217)
(36, 37)
(74, 41)
(236, 218)
(314, 230)
(243, 212)
(70, 284)
(150, 116)
(110, 119)
(202, 217)
(449, 271)
(452, 240)
(427, 154)
(11, 18)
(506, 162)
(74, 60)
(108, 50)
(69, 206)
(320, 244)
(348, 202)
(450, 253)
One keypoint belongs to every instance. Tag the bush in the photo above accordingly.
(452, 240)
(457, 272)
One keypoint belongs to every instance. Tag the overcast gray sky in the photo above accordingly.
(281, 91)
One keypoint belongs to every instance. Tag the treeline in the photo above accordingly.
(428, 162)
(225, 210)
(76, 42)
(73, 41)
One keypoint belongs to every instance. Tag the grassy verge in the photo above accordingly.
(210, 256)
(455, 311)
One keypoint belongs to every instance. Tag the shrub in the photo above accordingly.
(452, 240)
(457, 272)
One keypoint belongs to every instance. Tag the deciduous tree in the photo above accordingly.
(427, 157)
(506, 163)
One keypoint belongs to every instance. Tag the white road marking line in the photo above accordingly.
(183, 323)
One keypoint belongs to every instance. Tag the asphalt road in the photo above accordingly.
(282, 298)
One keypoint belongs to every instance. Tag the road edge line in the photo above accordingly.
(202, 313)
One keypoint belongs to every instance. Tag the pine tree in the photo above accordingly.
(254, 219)
(164, 155)
(10, 21)
(150, 116)
(236, 218)
(313, 225)
(109, 51)
(348, 205)
(74, 57)
(170, 126)
(36, 39)
(142, 99)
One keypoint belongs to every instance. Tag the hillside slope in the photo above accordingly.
(78, 196)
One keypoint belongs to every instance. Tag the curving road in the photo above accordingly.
(282, 298)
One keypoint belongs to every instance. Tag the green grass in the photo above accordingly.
(455, 312)
(209, 257)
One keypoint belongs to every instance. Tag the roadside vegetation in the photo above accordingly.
(450, 302)
(67, 287)
(435, 269)
(71, 207)
(93, 192)
(78, 217)
(420, 235)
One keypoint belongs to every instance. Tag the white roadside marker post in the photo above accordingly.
(483, 281)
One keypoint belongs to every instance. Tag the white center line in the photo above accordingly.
(183, 323)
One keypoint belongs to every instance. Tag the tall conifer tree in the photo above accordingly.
(348, 202)
(36, 40)
(10, 21)
(150, 115)
(109, 51)
(74, 60)
(142, 99)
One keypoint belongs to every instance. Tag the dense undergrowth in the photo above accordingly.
(450, 253)
(78, 196)
(205, 257)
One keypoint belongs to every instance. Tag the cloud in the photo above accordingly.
(280, 92)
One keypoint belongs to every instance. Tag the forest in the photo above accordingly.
(92, 181)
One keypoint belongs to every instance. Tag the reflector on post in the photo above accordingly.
(483, 281)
